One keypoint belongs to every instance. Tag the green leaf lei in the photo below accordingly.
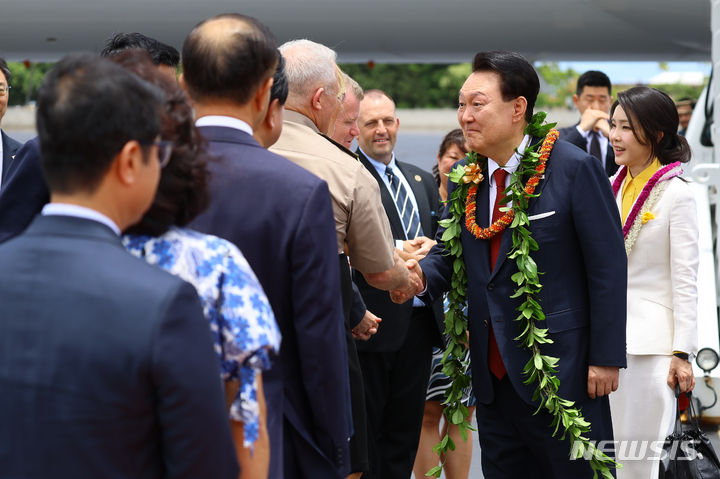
(540, 368)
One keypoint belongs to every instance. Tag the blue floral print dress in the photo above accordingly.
(240, 317)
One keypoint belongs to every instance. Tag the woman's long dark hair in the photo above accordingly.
(654, 121)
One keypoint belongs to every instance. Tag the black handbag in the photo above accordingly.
(688, 454)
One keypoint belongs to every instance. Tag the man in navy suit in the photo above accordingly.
(593, 99)
(582, 257)
(24, 191)
(280, 216)
(8, 146)
(107, 366)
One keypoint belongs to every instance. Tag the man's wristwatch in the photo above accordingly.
(685, 356)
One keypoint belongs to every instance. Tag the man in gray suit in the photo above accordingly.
(107, 367)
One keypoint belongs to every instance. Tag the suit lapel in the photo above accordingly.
(418, 189)
(387, 201)
(6, 155)
(543, 180)
(610, 167)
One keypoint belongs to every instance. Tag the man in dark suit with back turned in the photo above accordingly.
(582, 260)
(25, 192)
(396, 361)
(593, 99)
(280, 216)
(8, 146)
(107, 366)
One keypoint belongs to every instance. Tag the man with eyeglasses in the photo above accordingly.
(108, 369)
(8, 146)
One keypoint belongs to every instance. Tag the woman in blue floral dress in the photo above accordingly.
(241, 320)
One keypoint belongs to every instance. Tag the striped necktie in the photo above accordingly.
(406, 208)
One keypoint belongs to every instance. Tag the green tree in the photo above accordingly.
(412, 85)
(560, 85)
(416, 85)
(677, 91)
(26, 81)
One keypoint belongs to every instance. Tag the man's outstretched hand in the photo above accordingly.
(419, 246)
(413, 286)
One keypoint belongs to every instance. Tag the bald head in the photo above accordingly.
(227, 58)
(377, 96)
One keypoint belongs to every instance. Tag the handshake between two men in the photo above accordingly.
(404, 280)
(413, 251)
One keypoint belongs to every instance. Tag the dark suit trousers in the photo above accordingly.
(517, 444)
(395, 388)
(358, 441)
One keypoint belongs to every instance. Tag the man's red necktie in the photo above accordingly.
(494, 359)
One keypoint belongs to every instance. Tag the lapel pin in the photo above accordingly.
(418, 178)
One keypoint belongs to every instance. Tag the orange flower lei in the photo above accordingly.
(505, 220)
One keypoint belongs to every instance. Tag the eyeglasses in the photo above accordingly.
(164, 151)
(4, 90)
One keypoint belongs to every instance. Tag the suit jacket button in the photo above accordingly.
(486, 323)
(491, 286)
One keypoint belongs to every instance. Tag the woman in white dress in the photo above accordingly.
(659, 218)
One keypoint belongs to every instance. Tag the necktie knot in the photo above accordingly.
(389, 173)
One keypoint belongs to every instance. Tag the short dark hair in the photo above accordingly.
(88, 108)
(161, 53)
(280, 87)
(653, 116)
(593, 78)
(228, 66)
(5, 70)
(686, 100)
(182, 193)
(376, 93)
(517, 76)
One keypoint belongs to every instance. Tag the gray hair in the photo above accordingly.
(352, 85)
(309, 66)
